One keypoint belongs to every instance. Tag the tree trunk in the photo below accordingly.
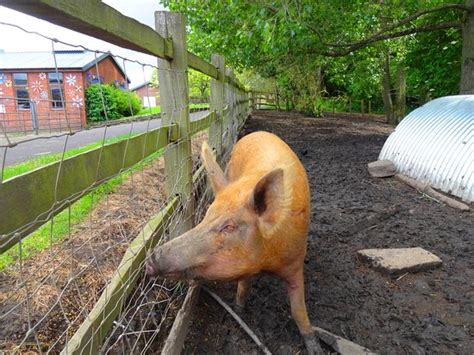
(387, 98)
(315, 94)
(277, 98)
(401, 94)
(467, 70)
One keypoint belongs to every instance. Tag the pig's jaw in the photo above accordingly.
(190, 273)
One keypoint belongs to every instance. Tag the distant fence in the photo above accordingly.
(326, 104)
(83, 291)
(36, 116)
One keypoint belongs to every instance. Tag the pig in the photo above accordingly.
(258, 222)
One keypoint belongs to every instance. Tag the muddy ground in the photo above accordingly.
(431, 312)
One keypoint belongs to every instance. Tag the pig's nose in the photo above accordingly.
(151, 264)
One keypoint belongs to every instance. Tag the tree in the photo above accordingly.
(199, 84)
(294, 41)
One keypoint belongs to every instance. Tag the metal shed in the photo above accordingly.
(435, 144)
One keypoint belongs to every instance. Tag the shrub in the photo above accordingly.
(117, 102)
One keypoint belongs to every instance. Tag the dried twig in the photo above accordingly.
(239, 320)
(372, 220)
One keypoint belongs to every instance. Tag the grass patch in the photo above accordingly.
(149, 111)
(157, 109)
(62, 224)
(21, 168)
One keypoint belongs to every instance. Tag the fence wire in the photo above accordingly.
(52, 279)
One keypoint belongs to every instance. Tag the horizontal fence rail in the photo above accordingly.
(64, 182)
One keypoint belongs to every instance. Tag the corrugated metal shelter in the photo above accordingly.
(435, 144)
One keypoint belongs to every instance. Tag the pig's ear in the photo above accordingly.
(214, 172)
(268, 201)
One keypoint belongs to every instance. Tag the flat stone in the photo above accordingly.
(400, 260)
(381, 168)
(341, 345)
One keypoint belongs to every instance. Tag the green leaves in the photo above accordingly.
(344, 40)
(118, 103)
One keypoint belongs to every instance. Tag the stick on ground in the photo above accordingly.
(239, 320)
(372, 220)
(425, 188)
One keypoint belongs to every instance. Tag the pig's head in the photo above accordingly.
(232, 240)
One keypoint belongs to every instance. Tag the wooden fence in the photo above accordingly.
(62, 183)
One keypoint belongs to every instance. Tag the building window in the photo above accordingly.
(56, 89)
(20, 84)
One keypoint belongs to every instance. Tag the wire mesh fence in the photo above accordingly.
(76, 226)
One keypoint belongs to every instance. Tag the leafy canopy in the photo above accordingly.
(335, 46)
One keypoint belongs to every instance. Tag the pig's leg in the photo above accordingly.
(295, 287)
(243, 288)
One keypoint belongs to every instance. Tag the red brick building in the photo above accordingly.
(34, 95)
(148, 93)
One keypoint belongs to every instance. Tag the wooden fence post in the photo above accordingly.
(361, 106)
(174, 91)
(217, 104)
(370, 106)
(228, 93)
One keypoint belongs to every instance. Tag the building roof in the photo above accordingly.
(66, 59)
(135, 88)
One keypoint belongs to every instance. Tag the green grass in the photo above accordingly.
(24, 167)
(157, 109)
(149, 111)
(62, 224)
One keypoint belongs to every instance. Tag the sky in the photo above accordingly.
(15, 40)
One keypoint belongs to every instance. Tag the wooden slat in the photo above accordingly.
(217, 104)
(230, 79)
(90, 335)
(177, 335)
(28, 200)
(202, 123)
(174, 99)
(98, 20)
(202, 66)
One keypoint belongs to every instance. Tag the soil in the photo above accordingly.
(430, 312)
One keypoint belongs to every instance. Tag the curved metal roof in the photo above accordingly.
(435, 144)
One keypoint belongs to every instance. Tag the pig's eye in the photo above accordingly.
(228, 228)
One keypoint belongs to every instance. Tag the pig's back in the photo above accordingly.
(254, 156)
(259, 153)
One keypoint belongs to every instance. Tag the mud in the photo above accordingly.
(430, 312)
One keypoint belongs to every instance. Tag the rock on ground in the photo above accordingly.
(341, 345)
(400, 260)
(381, 168)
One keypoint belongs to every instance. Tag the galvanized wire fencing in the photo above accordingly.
(76, 227)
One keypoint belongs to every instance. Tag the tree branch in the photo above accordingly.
(378, 35)
(363, 43)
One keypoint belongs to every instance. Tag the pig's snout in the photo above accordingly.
(151, 265)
